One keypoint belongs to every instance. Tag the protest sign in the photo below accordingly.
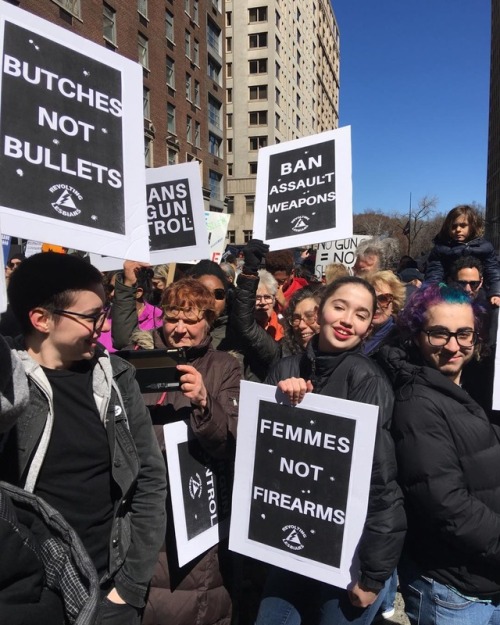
(496, 378)
(304, 190)
(217, 229)
(6, 241)
(341, 251)
(200, 488)
(71, 140)
(106, 263)
(3, 286)
(176, 216)
(302, 478)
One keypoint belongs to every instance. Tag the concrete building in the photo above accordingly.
(493, 172)
(282, 82)
(180, 47)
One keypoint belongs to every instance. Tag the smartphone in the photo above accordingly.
(156, 369)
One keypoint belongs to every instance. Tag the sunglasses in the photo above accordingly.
(384, 300)
(219, 294)
(474, 284)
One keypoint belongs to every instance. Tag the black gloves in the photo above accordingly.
(253, 252)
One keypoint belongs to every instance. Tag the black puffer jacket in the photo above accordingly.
(444, 254)
(448, 458)
(350, 375)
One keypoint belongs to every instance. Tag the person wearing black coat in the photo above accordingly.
(448, 457)
(333, 365)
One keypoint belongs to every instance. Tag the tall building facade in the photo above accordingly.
(493, 172)
(179, 44)
(282, 82)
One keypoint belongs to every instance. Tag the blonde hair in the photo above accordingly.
(396, 287)
(334, 271)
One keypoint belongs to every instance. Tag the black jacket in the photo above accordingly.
(350, 375)
(448, 457)
(444, 254)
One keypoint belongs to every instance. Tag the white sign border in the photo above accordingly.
(187, 549)
(366, 417)
(343, 189)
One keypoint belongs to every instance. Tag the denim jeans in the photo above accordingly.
(428, 602)
(291, 599)
(390, 596)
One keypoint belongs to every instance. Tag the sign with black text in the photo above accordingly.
(3, 286)
(304, 190)
(342, 251)
(71, 139)
(200, 488)
(302, 478)
(176, 214)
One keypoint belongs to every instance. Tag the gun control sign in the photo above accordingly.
(304, 190)
(302, 478)
(176, 214)
(71, 140)
(200, 488)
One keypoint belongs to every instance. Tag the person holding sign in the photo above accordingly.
(333, 365)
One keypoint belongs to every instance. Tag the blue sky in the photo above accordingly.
(414, 87)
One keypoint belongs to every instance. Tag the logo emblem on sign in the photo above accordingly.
(294, 537)
(299, 224)
(65, 203)
(195, 486)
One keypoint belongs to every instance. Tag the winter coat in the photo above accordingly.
(350, 375)
(46, 575)
(138, 526)
(197, 593)
(448, 457)
(443, 255)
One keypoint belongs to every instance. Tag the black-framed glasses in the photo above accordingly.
(219, 294)
(474, 284)
(440, 337)
(97, 319)
(384, 300)
(309, 317)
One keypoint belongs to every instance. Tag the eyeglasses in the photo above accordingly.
(309, 317)
(190, 316)
(267, 299)
(474, 284)
(97, 320)
(440, 337)
(384, 300)
(219, 294)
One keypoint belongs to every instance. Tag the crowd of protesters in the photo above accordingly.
(86, 519)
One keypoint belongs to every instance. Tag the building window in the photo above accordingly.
(258, 142)
(277, 70)
(214, 144)
(277, 121)
(229, 120)
(299, 37)
(214, 70)
(277, 45)
(71, 6)
(297, 100)
(196, 11)
(196, 52)
(229, 169)
(214, 112)
(187, 44)
(277, 19)
(148, 151)
(230, 204)
(277, 95)
(258, 66)
(297, 122)
(172, 156)
(257, 14)
(188, 87)
(215, 181)
(249, 203)
(247, 235)
(142, 7)
(197, 93)
(298, 15)
(258, 92)
(169, 26)
(197, 134)
(187, 8)
(171, 118)
(213, 37)
(231, 236)
(143, 50)
(109, 24)
(189, 129)
(170, 72)
(258, 40)
(229, 93)
(229, 70)
(229, 44)
(252, 168)
(229, 18)
(298, 80)
(257, 118)
(145, 103)
(229, 146)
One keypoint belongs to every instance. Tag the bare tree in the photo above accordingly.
(417, 220)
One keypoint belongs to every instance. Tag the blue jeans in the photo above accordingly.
(428, 602)
(291, 599)
(390, 596)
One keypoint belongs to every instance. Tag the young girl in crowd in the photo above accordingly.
(333, 365)
(462, 235)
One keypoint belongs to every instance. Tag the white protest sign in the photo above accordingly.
(301, 483)
(304, 190)
(3, 287)
(217, 229)
(176, 215)
(496, 377)
(200, 488)
(33, 247)
(341, 251)
(106, 263)
(72, 140)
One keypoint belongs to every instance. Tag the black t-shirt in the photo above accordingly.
(75, 477)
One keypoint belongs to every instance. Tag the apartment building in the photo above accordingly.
(282, 82)
(179, 44)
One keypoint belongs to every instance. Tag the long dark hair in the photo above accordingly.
(474, 219)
